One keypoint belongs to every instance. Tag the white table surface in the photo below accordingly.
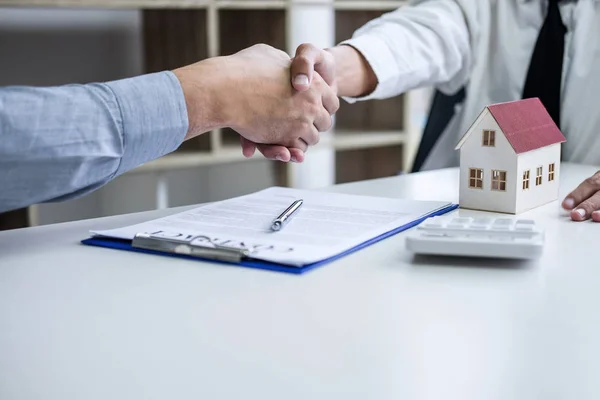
(79, 322)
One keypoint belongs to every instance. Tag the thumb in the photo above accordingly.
(303, 66)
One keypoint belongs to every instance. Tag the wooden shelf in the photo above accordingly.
(190, 4)
(184, 160)
(115, 4)
(340, 141)
(370, 139)
(366, 140)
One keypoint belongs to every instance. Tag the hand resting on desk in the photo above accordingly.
(584, 201)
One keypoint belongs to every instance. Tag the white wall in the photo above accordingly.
(547, 192)
(53, 47)
(318, 170)
(501, 157)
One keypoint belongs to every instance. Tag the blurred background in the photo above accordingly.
(55, 42)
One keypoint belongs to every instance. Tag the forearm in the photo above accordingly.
(61, 142)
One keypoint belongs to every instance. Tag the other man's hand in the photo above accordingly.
(584, 202)
(250, 92)
(308, 60)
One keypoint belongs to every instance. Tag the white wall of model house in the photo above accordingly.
(547, 191)
(515, 200)
(499, 157)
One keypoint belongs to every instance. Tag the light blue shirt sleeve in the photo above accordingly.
(59, 143)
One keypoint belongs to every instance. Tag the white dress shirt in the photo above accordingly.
(486, 46)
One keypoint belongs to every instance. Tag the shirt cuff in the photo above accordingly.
(154, 117)
(380, 58)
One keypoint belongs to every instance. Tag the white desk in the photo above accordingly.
(86, 323)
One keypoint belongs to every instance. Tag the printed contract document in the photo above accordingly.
(326, 225)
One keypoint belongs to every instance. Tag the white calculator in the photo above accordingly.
(478, 237)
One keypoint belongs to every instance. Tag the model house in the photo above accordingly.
(510, 158)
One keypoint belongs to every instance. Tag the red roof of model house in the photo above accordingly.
(526, 124)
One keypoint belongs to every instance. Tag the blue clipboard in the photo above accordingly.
(121, 244)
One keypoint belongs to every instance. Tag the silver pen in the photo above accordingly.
(285, 217)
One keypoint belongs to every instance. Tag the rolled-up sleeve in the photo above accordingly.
(426, 43)
(61, 142)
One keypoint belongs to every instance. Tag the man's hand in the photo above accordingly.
(250, 92)
(309, 61)
(584, 202)
(342, 67)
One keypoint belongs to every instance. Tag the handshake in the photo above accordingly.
(278, 105)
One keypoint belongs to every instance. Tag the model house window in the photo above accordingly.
(538, 176)
(476, 178)
(551, 172)
(489, 138)
(498, 180)
(525, 180)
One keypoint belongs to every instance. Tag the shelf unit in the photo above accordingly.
(179, 32)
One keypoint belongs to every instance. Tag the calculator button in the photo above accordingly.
(433, 223)
(525, 222)
(433, 234)
(462, 220)
(502, 223)
(525, 228)
(482, 221)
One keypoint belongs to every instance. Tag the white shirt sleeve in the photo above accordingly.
(427, 43)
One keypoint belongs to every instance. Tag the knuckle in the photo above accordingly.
(328, 57)
(316, 139)
(324, 127)
(588, 206)
(304, 126)
(594, 180)
(302, 60)
(336, 105)
(313, 109)
(305, 47)
(318, 79)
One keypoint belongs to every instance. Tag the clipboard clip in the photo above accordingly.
(194, 247)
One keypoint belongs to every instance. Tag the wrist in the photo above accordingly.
(203, 88)
(354, 75)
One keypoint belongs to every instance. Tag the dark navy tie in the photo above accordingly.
(545, 69)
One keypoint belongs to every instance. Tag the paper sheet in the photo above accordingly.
(326, 224)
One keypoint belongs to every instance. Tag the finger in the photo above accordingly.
(585, 210)
(309, 134)
(297, 155)
(330, 100)
(596, 216)
(310, 58)
(323, 121)
(275, 152)
(248, 147)
(586, 189)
